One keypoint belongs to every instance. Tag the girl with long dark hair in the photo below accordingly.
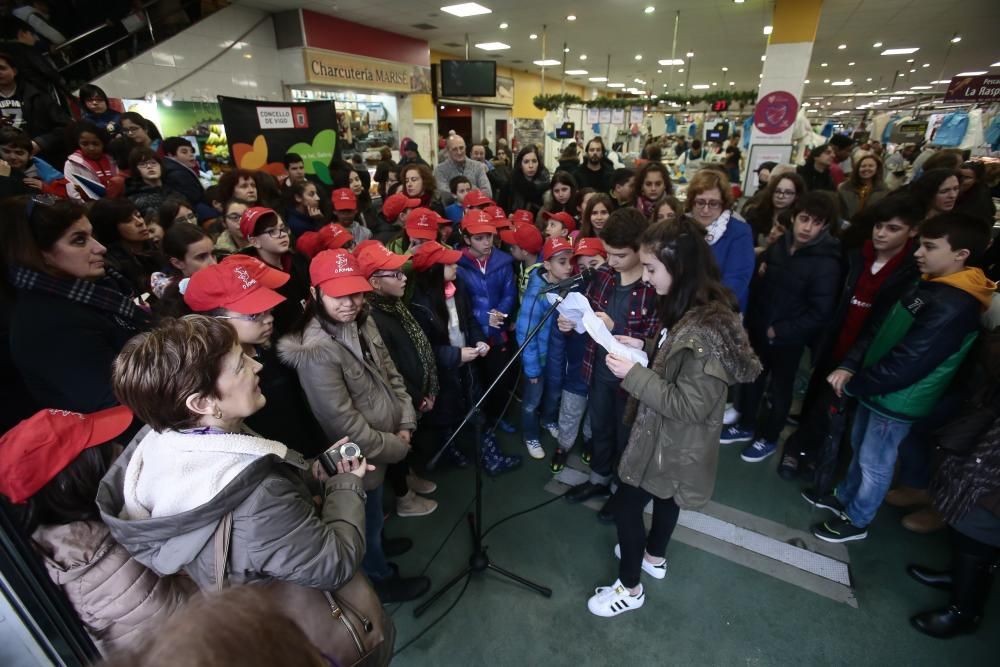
(677, 403)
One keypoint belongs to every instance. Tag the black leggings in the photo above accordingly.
(628, 504)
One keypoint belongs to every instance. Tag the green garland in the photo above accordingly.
(553, 102)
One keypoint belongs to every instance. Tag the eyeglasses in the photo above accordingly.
(234, 217)
(276, 232)
(785, 193)
(148, 164)
(189, 218)
(244, 318)
(706, 204)
(398, 275)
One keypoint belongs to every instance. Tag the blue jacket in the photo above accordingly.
(298, 222)
(533, 307)
(494, 289)
(564, 366)
(736, 258)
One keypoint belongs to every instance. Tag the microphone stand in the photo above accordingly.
(479, 561)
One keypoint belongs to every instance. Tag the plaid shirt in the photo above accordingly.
(641, 322)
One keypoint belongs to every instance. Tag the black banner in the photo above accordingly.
(260, 133)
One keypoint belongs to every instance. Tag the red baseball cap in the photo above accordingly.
(343, 199)
(522, 217)
(308, 244)
(476, 198)
(394, 205)
(333, 236)
(476, 221)
(230, 285)
(499, 217)
(554, 247)
(526, 237)
(376, 257)
(590, 247)
(565, 218)
(431, 253)
(422, 223)
(253, 215)
(337, 273)
(40, 447)
(268, 276)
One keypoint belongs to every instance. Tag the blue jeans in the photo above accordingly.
(531, 399)
(875, 440)
(374, 563)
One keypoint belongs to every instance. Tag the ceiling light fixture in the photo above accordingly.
(598, 79)
(732, 83)
(565, 49)
(725, 69)
(668, 62)
(822, 64)
(763, 57)
(956, 39)
(768, 29)
(877, 45)
(649, 10)
(504, 26)
(616, 85)
(806, 81)
(532, 36)
(996, 64)
(912, 71)
(548, 62)
(909, 60)
(681, 70)
(939, 81)
(826, 81)
(571, 17)
(851, 64)
(868, 79)
(926, 65)
(576, 72)
(921, 87)
(701, 86)
(492, 46)
(841, 47)
(466, 9)
(901, 52)
(845, 82)
(975, 73)
(638, 56)
(583, 56)
(690, 54)
(659, 71)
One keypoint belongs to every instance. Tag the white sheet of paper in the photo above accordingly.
(576, 307)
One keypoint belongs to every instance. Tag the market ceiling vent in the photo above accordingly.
(454, 45)
(424, 26)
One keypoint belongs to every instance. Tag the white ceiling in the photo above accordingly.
(721, 33)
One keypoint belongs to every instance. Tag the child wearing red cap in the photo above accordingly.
(525, 243)
(557, 266)
(270, 242)
(559, 225)
(488, 274)
(564, 382)
(442, 307)
(354, 388)
(50, 465)
(345, 209)
(395, 210)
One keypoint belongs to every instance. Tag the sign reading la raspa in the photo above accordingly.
(973, 89)
(339, 69)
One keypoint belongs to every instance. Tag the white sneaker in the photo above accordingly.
(535, 450)
(655, 571)
(615, 599)
(553, 430)
(413, 505)
(731, 416)
(420, 485)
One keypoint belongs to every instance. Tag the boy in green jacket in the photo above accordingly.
(904, 364)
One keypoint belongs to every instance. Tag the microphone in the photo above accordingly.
(569, 283)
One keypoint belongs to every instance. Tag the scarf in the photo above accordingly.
(394, 306)
(715, 230)
(646, 206)
(111, 294)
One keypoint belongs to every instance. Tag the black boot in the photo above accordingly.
(939, 579)
(971, 579)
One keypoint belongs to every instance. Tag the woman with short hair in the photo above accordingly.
(419, 183)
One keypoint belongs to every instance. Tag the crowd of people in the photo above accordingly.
(180, 357)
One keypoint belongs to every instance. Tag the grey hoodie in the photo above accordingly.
(277, 531)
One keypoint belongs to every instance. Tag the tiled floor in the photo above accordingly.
(709, 611)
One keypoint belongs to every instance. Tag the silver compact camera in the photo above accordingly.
(331, 457)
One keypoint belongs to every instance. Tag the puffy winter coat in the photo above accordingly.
(353, 388)
(795, 293)
(673, 447)
(533, 307)
(493, 289)
(119, 600)
(277, 532)
(181, 178)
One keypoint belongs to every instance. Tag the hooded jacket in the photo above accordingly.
(673, 447)
(905, 362)
(164, 497)
(353, 388)
(794, 293)
(491, 289)
(119, 600)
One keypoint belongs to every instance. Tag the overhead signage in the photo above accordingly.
(973, 89)
(330, 68)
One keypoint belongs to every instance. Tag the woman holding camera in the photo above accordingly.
(353, 387)
(199, 480)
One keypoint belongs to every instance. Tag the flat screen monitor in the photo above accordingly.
(468, 78)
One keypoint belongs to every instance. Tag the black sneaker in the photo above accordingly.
(587, 453)
(558, 460)
(584, 492)
(401, 589)
(827, 502)
(788, 469)
(839, 530)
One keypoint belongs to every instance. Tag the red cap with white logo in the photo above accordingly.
(337, 273)
(343, 199)
(230, 285)
(422, 223)
(555, 246)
